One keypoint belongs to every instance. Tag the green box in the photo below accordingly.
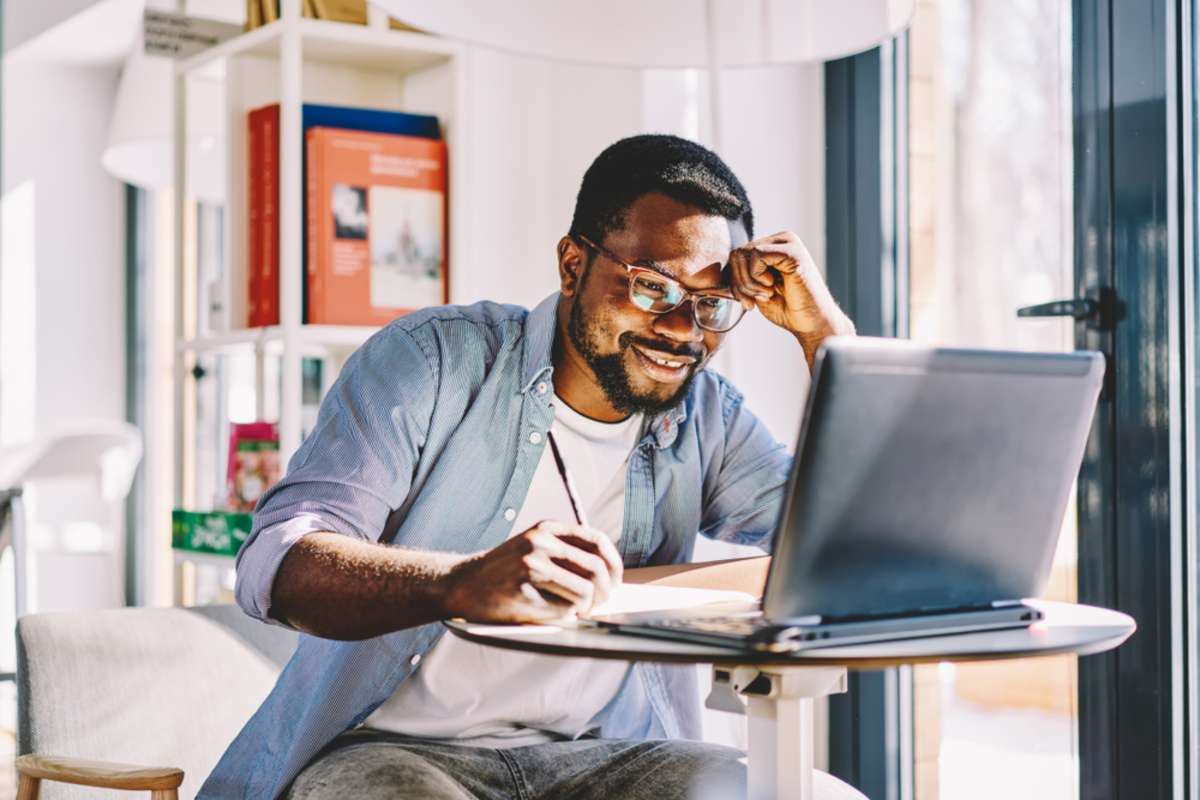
(220, 532)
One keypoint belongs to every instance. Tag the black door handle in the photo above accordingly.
(1081, 309)
(1099, 313)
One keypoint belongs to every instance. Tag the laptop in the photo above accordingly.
(926, 498)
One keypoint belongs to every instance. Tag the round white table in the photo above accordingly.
(776, 690)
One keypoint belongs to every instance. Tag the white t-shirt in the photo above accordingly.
(487, 697)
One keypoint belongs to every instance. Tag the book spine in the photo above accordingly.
(445, 155)
(253, 219)
(253, 14)
(270, 226)
(313, 294)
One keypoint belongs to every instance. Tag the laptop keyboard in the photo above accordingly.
(735, 626)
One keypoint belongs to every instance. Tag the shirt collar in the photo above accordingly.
(537, 365)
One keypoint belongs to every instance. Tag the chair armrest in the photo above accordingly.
(99, 774)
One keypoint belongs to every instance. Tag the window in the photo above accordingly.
(990, 160)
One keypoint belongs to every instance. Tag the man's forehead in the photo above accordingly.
(681, 247)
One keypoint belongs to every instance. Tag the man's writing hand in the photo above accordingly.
(539, 575)
(777, 275)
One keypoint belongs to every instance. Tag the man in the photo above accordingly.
(426, 491)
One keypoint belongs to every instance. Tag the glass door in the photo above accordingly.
(990, 225)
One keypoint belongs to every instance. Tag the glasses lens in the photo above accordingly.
(718, 313)
(654, 294)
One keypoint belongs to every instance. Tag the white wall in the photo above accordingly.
(55, 121)
(62, 315)
(773, 127)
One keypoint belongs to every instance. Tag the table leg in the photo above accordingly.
(778, 702)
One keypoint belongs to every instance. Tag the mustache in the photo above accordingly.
(686, 350)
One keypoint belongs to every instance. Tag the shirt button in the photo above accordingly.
(416, 659)
(541, 387)
(535, 438)
(510, 514)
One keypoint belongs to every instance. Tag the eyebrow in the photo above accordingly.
(651, 264)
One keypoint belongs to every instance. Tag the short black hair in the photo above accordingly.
(654, 162)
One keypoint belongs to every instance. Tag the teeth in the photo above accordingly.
(664, 362)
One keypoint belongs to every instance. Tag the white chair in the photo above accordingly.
(164, 687)
(104, 450)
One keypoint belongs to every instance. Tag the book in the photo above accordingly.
(254, 222)
(253, 14)
(253, 465)
(262, 12)
(352, 11)
(218, 532)
(262, 269)
(629, 598)
(376, 225)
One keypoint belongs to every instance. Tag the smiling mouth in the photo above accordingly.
(663, 367)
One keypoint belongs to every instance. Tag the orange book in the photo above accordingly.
(376, 225)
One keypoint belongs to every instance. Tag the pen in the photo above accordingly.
(567, 480)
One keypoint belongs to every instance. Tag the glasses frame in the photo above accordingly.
(633, 270)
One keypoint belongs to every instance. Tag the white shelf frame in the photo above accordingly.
(292, 41)
(313, 338)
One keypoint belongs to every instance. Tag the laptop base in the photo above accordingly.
(748, 629)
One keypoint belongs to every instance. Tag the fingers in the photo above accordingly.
(544, 604)
(565, 564)
(747, 291)
(581, 557)
(767, 268)
(600, 543)
(560, 582)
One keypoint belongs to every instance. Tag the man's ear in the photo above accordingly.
(571, 263)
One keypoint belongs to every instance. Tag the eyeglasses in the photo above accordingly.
(656, 293)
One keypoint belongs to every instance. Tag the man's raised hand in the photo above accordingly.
(777, 275)
(542, 574)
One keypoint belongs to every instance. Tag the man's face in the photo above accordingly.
(625, 346)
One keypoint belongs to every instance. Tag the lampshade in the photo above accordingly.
(140, 145)
(664, 33)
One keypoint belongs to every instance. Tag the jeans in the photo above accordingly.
(367, 764)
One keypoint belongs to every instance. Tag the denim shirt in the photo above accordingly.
(425, 441)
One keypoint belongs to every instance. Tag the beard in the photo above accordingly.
(612, 372)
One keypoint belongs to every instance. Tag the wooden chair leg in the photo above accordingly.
(164, 794)
(28, 788)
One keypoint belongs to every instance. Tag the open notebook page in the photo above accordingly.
(632, 597)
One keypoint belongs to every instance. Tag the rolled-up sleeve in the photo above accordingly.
(353, 468)
(744, 494)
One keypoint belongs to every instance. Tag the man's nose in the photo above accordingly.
(679, 324)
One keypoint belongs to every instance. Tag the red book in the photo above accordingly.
(263, 269)
(376, 225)
(253, 220)
(270, 225)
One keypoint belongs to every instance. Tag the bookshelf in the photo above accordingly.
(291, 61)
